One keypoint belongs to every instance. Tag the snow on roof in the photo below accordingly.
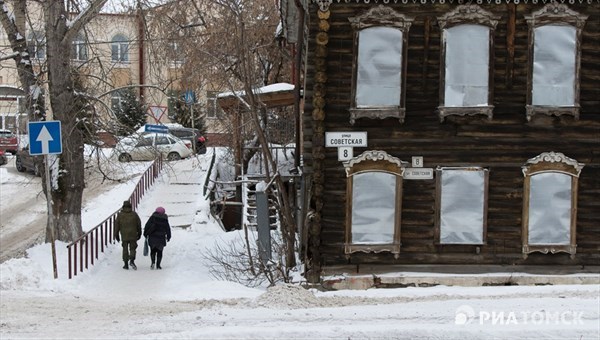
(277, 87)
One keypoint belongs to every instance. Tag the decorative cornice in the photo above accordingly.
(324, 4)
(372, 155)
(468, 14)
(553, 12)
(554, 157)
(381, 15)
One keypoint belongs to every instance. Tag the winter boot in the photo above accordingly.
(125, 266)
(152, 265)
(132, 265)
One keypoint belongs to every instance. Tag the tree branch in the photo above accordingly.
(83, 18)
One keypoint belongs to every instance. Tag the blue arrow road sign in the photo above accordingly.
(190, 97)
(45, 138)
(156, 128)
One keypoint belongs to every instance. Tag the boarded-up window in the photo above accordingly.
(554, 61)
(554, 53)
(467, 51)
(462, 205)
(380, 52)
(379, 67)
(550, 203)
(373, 210)
(467, 83)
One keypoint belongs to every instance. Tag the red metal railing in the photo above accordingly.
(86, 248)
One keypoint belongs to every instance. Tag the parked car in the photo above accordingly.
(26, 162)
(3, 157)
(8, 141)
(149, 145)
(193, 136)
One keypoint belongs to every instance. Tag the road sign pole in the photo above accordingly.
(50, 212)
(192, 114)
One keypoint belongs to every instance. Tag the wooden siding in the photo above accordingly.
(502, 144)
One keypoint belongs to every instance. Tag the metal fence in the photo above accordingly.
(83, 251)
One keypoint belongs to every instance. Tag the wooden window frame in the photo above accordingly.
(554, 14)
(438, 205)
(374, 161)
(463, 15)
(550, 162)
(380, 16)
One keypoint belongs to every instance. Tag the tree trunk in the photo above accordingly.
(67, 176)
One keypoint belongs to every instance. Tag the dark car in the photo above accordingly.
(192, 135)
(2, 157)
(8, 141)
(26, 162)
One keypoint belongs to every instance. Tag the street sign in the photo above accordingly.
(345, 153)
(342, 139)
(156, 128)
(417, 161)
(44, 138)
(190, 97)
(418, 173)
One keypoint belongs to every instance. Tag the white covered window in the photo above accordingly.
(466, 75)
(550, 203)
(380, 50)
(461, 205)
(378, 79)
(374, 203)
(554, 54)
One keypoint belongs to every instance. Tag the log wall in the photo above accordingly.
(502, 144)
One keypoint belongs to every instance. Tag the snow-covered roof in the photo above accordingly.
(273, 88)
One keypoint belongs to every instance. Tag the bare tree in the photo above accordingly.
(67, 170)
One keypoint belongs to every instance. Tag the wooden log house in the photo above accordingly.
(500, 99)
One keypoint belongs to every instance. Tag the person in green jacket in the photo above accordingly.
(129, 225)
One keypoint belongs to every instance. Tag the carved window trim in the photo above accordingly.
(373, 161)
(380, 16)
(464, 15)
(550, 162)
(554, 14)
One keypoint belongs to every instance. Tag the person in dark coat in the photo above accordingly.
(129, 226)
(158, 231)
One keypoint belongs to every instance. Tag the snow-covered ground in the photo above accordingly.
(183, 301)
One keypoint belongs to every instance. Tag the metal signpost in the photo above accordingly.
(190, 98)
(45, 138)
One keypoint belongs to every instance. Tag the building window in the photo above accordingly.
(79, 49)
(116, 101)
(467, 33)
(461, 205)
(212, 107)
(119, 48)
(175, 54)
(374, 191)
(554, 54)
(380, 40)
(550, 203)
(36, 44)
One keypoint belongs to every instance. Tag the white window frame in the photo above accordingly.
(121, 44)
(212, 105)
(36, 44)
(550, 163)
(557, 15)
(80, 52)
